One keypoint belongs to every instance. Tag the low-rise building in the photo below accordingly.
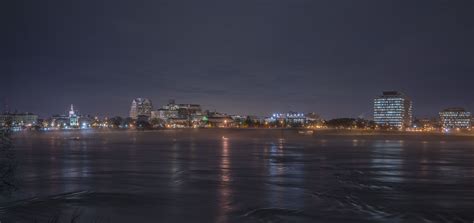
(426, 124)
(18, 119)
(455, 118)
(295, 118)
(314, 120)
(178, 123)
(188, 114)
(59, 121)
(289, 119)
(215, 119)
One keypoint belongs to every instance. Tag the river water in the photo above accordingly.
(212, 175)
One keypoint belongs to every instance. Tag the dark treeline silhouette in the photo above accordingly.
(7, 162)
(350, 123)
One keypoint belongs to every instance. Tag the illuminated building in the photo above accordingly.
(59, 121)
(426, 124)
(277, 117)
(179, 113)
(215, 119)
(86, 121)
(182, 110)
(290, 118)
(141, 107)
(314, 120)
(295, 118)
(393, 109)
(18, 119)
(73, 118)
(178, 122)
(70, 120)
(455, 118)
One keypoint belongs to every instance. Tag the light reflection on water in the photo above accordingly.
(224, 189)
(285, 176)
(276, 172)
(247, 176)
(387, 160)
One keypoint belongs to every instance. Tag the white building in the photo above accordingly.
(141, 107)
(455, 118)
(73, 118)
(393, 109)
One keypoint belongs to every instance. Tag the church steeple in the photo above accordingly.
(71, 112)
(73, 118)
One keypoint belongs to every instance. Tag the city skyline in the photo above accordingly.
(237, 111)
(7, 109)
(245, 57)
(392, 111)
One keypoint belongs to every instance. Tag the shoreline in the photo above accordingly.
(316, 132)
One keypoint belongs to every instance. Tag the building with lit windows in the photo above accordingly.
(140, 107)
(185, 113)
(73, 118)
(393, 109)
(215, 119)
(18, 119)
(455, 118)
(182, 110)
(295, 118)
(291, 119)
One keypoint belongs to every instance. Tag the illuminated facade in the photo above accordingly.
(18, 119)
(182, 110)
(393, 109)
(295, 118)
(73, 118)
(141, 107)
(219, 120)
(455, 118)
(172, 112)
(290, 118)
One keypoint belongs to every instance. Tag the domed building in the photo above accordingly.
(73, 118)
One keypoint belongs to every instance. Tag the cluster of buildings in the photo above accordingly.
(66, 121)
(17, 121)
(173, 115)
(391, 110)
(74, 120)
(394, 109)
(70, 120)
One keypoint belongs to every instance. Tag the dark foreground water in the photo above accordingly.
(240, 176)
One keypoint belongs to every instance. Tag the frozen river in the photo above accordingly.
(210, 175)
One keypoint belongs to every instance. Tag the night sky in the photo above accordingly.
(241, 57)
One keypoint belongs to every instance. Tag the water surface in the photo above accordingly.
(240, 176)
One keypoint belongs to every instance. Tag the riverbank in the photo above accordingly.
(248, 133)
